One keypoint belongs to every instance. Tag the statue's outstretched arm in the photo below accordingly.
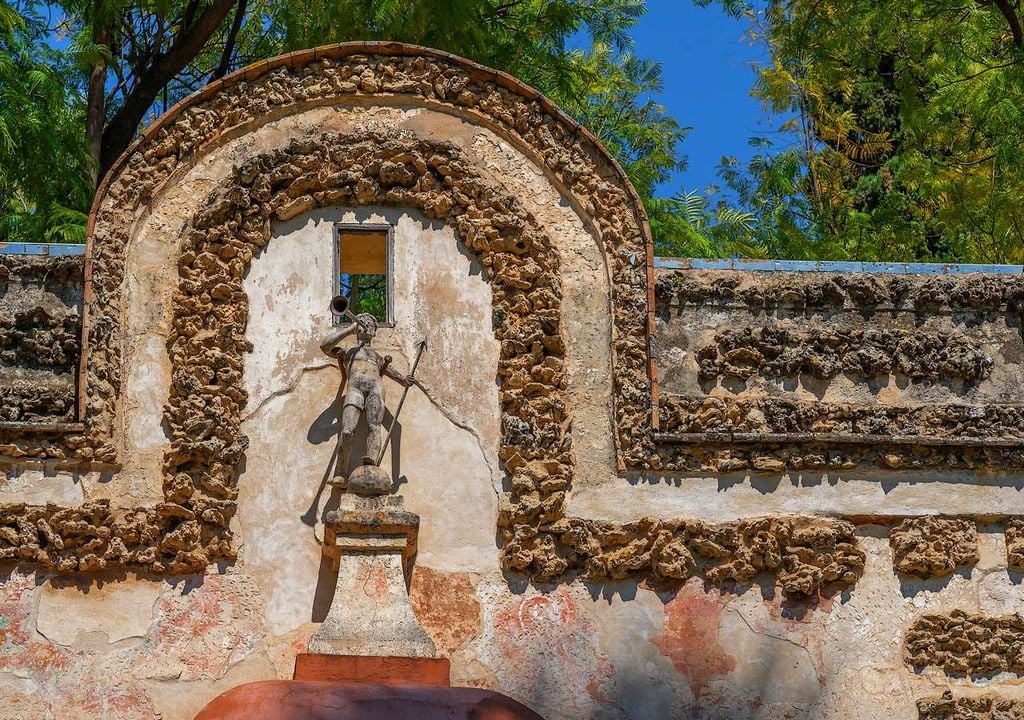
(329, 344)
(398, 377)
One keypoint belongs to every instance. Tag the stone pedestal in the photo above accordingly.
(372, 541)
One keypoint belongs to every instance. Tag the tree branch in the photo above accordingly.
(188, 42)
(1012, 19)
(229, 45)
(95, 104)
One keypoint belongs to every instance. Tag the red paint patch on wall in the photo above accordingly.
(690, 638)
(536, 613)
(552, 655)
(19, 652)
(447, 607)
(208, 628)
(103, 701)
(376, 583)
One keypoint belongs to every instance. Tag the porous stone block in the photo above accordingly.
(967, 643)
(932, 546)
(373, 542)
(970, 707)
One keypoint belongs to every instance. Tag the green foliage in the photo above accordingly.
(366, 294)
(604, 85)
(687, 226)
(899, 140)
(45, 187)
(902, 130)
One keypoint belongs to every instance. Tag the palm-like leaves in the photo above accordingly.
(44, 184)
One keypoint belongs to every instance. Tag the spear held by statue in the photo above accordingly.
(401, 401)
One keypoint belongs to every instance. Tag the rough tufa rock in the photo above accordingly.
(920, 295)
(803, 554)
(1015, 544)
(967, 644)
(780, 350)
(40, 337)
(970, 707)
(932, 546)
(93, 536)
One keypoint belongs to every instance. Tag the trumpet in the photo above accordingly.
(340, 306)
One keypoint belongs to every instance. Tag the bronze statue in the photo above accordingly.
(362, 368)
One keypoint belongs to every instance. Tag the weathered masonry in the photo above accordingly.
(622, 487)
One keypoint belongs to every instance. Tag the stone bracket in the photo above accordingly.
(372, 525)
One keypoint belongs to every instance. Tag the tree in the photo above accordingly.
(45, 187)
(903, 127)
(135, 59)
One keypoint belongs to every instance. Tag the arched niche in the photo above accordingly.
(530, 194)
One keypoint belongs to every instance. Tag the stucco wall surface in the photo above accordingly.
(131, 647)
(765, 556)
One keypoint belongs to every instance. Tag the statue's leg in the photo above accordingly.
(374, 426)
(349, 420)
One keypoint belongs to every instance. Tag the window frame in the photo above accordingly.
(368, 229)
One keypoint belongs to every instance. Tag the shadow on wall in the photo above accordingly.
(327, 428)
(698, 652)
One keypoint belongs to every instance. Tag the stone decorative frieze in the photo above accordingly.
(40, 339)
(830, 292)
(781, 350)
(93, 536)
(814, 370)
(963, 643)
(803, 555)
(970, 707)
(933, 546)
(1015, 544)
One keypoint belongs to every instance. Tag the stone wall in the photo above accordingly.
(824, 524)
(40, 337)
(817, 370)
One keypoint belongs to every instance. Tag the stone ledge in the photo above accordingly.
(377, 670)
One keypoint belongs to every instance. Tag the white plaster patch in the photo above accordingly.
(39, 487)
(148, 386)
(120, 610)
(290, 452)
(451, 486)
(289, 286)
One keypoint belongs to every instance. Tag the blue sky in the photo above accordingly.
(706, 66)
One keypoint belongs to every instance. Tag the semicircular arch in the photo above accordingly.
(354, 73)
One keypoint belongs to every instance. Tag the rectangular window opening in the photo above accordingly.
(363, 269)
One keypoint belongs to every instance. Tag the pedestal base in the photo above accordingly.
(373, 541)
(378, 670)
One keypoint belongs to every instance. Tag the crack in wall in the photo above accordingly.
(294, 383)
(494, 475)
(728, 607)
